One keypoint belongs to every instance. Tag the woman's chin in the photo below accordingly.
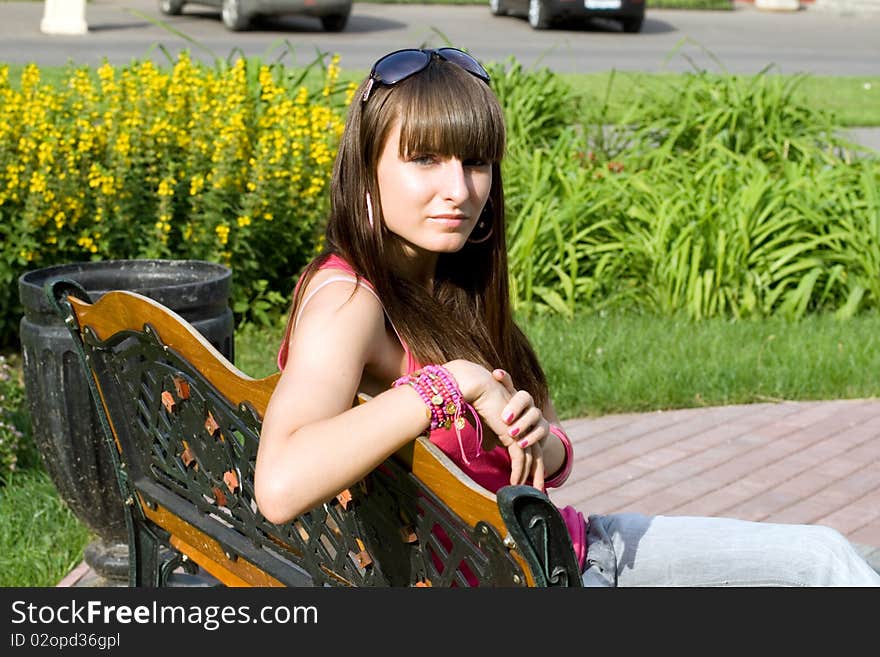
(449, 243)
(453, 246)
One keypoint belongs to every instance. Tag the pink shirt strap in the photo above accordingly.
(336, 262)
(332, 279)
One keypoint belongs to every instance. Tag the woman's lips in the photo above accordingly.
(449, 220)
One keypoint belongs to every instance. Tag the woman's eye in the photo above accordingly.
(424, 159)
(475, 162)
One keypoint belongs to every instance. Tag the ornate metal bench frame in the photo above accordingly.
(182, 425)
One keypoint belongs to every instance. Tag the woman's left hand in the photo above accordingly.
(527, 430)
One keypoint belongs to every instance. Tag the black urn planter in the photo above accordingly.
(65, 425)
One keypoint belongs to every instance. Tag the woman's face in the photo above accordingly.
(432, 203)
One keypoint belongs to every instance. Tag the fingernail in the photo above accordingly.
(524, 443)
(514, 431)
(507, 419)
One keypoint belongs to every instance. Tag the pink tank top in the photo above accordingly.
(489, 468)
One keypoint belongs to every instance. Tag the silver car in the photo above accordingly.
(238, 14)
(541, 14)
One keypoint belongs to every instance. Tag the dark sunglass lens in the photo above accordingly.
(464, 60)
(397, 66)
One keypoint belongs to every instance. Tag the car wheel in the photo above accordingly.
(497, 8)
(632, 25)
(233, 18)
(171, 7)
(538, 15)
(334, 22)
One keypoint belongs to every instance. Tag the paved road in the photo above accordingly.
(746, 40)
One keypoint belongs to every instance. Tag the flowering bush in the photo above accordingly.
(226, 163)
(12, 438)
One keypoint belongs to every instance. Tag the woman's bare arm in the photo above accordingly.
(554, 451)
(313, 442)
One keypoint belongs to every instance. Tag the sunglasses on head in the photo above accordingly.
(399, 65)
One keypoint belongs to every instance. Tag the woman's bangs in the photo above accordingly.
(451, 116)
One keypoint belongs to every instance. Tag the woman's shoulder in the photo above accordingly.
(332, 287)
(337, 319)
(334, 299)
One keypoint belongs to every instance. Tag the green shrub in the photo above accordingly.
(724, 198)
(13, 419)
(538, 104)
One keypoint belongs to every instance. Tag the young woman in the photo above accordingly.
(409, 304)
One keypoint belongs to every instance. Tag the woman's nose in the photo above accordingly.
(455, 184)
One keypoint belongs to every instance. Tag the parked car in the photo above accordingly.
(238, 14)
(541, 14)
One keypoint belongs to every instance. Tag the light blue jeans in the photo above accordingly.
(630, 549)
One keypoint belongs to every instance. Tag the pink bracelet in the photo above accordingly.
(565, 469)
(440, 392)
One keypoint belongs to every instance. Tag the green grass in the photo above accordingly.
(40, 538)
(598, 365)
(854, 100)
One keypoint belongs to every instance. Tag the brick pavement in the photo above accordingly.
(799, 462)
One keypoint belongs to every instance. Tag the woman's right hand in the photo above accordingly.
(490, 397)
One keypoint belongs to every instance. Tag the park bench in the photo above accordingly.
(183, 424)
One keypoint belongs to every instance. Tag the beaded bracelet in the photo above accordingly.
(440, 392)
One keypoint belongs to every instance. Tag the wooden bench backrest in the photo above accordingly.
(183, 424)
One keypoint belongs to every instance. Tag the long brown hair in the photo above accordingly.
(445, 111)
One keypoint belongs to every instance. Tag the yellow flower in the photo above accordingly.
(88, 244)
(106, 72)
(222, 233)
(166, 187)
(123, 144)
(243, 221)
(349, 92)
(196, 185)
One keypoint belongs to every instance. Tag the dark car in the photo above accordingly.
(541, 14)
(238, 14)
